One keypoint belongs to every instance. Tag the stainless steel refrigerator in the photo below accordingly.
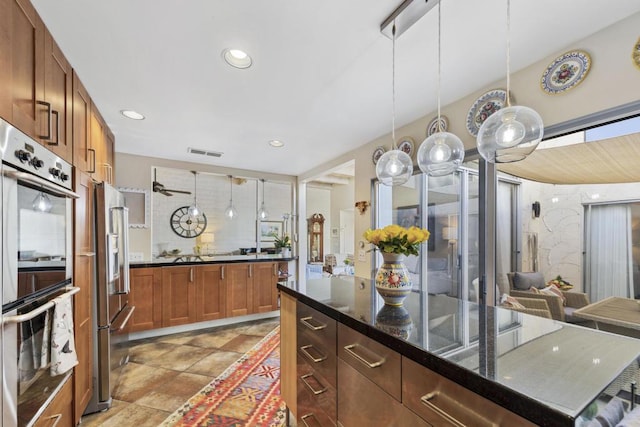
(112, 309)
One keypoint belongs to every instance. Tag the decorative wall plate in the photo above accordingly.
(565, 72)
(635, 55)
(377, 153)
(406, 144)
(432, 127)
(485, 106)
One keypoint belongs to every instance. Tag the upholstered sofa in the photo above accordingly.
(520, 284)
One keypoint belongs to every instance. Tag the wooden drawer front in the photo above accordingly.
(375, 361)
(362, 403)
(443, 402)
(316, 396)
(316, 326)
(59, 413)
(320, 356)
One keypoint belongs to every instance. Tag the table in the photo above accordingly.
(614, 314)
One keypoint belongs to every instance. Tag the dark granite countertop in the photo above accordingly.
(544, 370)
(192, 259)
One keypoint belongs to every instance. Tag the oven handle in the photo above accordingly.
(8, 320)
(54, 189)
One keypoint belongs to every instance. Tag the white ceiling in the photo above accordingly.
(321, 78)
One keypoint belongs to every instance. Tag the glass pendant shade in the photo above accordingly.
(394, 168)
(194, 210)
(42, 203)
(440, 154)
(510, 134)
(262, 212)
(230, 212)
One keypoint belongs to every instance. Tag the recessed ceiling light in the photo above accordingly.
(276, 143)
(132, 114)
(237, 58)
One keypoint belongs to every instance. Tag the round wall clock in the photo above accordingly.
(185, 225)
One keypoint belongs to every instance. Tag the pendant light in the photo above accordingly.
(262, 212)
(194, 210)
(231, 212)
(42, 203)
(443, 152)
(511, 133)
(395, 166)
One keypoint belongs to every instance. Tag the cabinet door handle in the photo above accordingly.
(305, 322)
(222, 272)
(86, 254)
(349, 349)
(314, 391)
(426, 400)
(275, 270)
(305, 417)
(304, 351)
(57, 141)
(93, 168)
(191, 274)
(48, 105)
(57, 418)
(250, 270)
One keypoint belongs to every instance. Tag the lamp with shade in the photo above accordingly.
(231, 212)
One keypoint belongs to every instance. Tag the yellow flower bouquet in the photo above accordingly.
(396, 239)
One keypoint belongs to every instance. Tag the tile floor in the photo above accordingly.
(164, 372)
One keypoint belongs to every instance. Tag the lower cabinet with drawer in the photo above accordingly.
(369, 383)
(443, 402)
(316, 367)
(59, 412)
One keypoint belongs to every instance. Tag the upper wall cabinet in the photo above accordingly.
(35, 78)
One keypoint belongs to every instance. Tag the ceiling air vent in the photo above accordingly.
(204, 152)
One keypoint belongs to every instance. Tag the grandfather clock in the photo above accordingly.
(315, 232)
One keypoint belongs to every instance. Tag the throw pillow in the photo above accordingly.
(509, 301)
(553, 290)
(524, 281)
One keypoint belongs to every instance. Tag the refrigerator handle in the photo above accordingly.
(124, 250)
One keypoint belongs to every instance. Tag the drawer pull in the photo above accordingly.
(305, 322)
(57, 418)
(304, 351)
(314, 391)
(308, 416)
(426, 400)
(349, 349)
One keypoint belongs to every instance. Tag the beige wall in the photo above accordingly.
(612, 81)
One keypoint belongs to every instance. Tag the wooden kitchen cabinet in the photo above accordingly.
(265, 291)
(178, 295)
(58, 92)
(36, 78)
(83, 158)
(239, 289)
(101, 147)
(59, 412)
(211, 291)
(23, 46)
(288, 346)
(146, 297)
(84, 278)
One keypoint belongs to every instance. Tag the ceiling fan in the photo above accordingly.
(159, 188)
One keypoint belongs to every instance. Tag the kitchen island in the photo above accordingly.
(347, 357)
(184, 292)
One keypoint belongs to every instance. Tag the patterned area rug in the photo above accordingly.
(247, 393)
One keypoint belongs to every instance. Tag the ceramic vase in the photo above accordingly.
(392, 279)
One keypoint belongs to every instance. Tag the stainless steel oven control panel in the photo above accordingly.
(23, 153)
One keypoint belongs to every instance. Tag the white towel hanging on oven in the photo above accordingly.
(63, 349)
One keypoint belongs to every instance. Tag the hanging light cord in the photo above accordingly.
(393, 87)
(439, 64)
(508, 94)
